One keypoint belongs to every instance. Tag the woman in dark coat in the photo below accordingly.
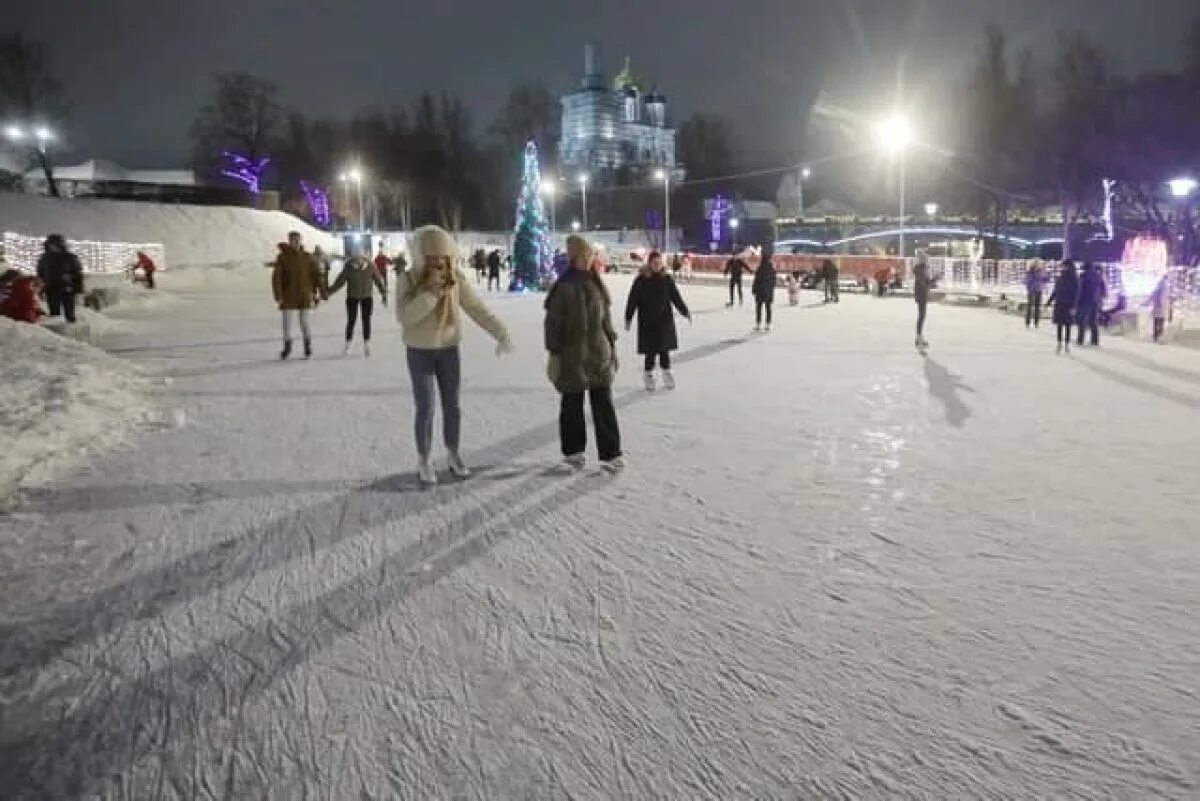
(764, 290)
(651, 297)
(1064, 299)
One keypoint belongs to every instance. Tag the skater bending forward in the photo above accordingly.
(431, 299)
(583, 357)
(653, 298)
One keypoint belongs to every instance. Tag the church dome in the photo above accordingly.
(625, 79)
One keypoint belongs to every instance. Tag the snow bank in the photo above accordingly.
(192, 235)
(60, 398)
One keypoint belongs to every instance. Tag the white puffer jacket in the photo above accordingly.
(422, 328)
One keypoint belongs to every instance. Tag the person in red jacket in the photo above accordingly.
(18, 297)
(146, 265)
(381, 265)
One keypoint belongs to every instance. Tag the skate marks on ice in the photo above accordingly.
(1147, 387)
(947, 387)
(72, 752)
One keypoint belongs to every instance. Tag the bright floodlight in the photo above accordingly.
(660, 175)
(931, 209)
(548, 188)
(355, 175)
(43, 133)
(14, 133)
(894, 133)
(734, 222)
(806, 173)
(1182, 187)
(575, 225)
(583, 178)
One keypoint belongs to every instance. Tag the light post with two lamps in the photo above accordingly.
(894, 134)
(41, 136)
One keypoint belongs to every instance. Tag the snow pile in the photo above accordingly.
(192, 235)
(60, 398)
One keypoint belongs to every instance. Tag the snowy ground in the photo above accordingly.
(833, 569)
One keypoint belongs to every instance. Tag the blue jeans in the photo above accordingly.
(425, 366)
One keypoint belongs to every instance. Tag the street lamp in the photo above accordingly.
(665, 177)
(931, 209)
(14, 133)
(583, 182)
(1183, 187)
(575, 226)
(549, 189)
(355, 175)
(733, 229)
(802, 176)
(893, 135)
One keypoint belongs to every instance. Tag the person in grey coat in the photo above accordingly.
(361, 279)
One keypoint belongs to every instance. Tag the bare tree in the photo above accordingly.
(243, 116)
(29, 91)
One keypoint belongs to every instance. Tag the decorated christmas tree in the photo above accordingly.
(532, 258)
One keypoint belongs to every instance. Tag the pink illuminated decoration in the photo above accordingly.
(318, 202)
(245, 171)
(1146, 253)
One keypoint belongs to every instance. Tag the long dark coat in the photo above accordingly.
(764, 281)
(1064, 298)
(651, 298)
(579, 333)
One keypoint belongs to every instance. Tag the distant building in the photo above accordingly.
(105, 178)
(615, 132)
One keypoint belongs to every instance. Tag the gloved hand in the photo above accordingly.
(504, 347)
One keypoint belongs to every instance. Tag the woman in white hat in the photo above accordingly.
(430, 301)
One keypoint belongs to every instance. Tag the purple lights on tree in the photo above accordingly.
(244, 170)
(318, 202)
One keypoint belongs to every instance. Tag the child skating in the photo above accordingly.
(653, 298)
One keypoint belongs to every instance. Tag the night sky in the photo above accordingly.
(135, 71)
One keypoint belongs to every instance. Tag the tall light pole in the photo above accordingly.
(733, 229)
(583, 182)
(1181, 190)
(357, 177)
(803, 175)
(548, 189)
(894, 134)
(345, 179)
(665, 177)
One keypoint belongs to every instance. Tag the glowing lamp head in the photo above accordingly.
(931, 209)
(43, 133)
(806, 173)
(548, 188)
(355, 175)
(575, 226)
(582, 178)
(660, 175)
(1182, 187)
(14, 133)
(734, 222)
(894, 134)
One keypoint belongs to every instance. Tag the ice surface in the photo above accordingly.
(832, 569)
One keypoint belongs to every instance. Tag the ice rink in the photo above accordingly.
(833, 568)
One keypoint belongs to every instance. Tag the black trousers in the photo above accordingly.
(1064, 329)
(61, 303)
(352, 306)
(1033, 309)
(759, 305)
(922, 308)
(664, 360)
(493, 277)
(1160, 325)
(831, 291)
(1088, 319)
(572, 428)
(735, 284)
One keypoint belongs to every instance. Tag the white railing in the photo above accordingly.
(22, 252)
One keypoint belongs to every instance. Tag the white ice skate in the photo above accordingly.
(576, 461)
(668, 379)
(614, 465)
(458, 468)
(648, 380)
(425, 472)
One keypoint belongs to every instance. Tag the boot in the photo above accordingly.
(576, 461)
(425, 472)
(458, 468)
(308, 348)
(648, 380)
(287, 349)
(668, 379)
(613, 465)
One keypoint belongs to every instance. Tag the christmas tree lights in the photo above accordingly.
(532, 260)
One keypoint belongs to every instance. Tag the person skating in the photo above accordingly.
(493, 268)
(382, 262)
(829, 273)
(479, 264)
(1161, 301)
(651, 298)
(1092, 292)
(148, 268)
(763, 290)
(735, 268)
(581, 342)
(1063, 299)
(431, 299)
(18, 295)
(61, 275)
(922, 282)
(1035, 285)
(297, 284)
(360, 279)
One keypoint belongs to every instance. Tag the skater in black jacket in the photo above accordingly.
(734, 269)
(651, 298)
(61, 275)
(764, 290)
(1064, 299)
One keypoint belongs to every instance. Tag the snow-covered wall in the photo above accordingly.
(191, 235)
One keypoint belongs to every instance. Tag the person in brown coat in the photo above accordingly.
(297, 284)
(583, 358)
